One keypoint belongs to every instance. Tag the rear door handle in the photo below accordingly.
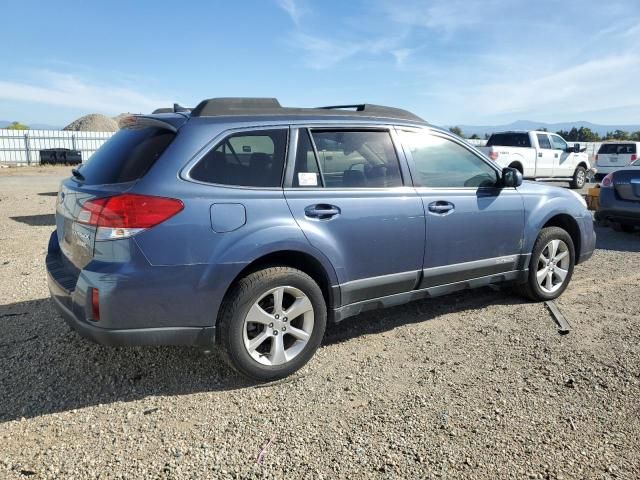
(441, 207)
(322, 211)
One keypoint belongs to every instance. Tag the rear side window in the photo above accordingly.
(126, 156)
(543, 141)
(509, 140)
(347, 159)
(615, 148)
(247, 159)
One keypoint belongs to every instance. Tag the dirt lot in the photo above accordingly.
(474, 385)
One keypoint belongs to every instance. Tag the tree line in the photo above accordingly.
(582, 134)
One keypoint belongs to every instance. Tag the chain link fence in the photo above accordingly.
(22, 147)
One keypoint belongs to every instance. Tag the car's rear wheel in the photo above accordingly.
(272, 322)
(579, 178)
(551, 265)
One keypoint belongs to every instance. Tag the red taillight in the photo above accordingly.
(129, 211)
(607, 181)
(634, 157)
(95, 305)
(493, 155)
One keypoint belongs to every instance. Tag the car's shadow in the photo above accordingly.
(47, 368)
(609, 239)
(42, 220)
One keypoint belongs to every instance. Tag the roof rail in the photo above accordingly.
(376, 110)
(270, 106)
(233, 106)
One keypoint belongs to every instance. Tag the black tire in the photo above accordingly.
(579, 178)
(531, 289)
(240, 299)
(517, 166)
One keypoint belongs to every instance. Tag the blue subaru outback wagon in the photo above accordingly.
(250, 226)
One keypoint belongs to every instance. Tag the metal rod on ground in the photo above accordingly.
(563, 325)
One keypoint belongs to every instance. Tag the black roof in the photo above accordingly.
(235, 106)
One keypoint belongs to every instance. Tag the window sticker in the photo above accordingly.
(308, 179)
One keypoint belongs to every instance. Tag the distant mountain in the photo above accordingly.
(32, 126)
(480, 130)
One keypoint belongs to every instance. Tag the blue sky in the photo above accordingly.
(450, 61)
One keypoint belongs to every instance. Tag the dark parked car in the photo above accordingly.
(249, 226)
(60, 156)
(620, 198)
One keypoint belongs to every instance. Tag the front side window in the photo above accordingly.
(558, 143)
(346, 159)
(442, 163)
(543, 141)
(249, 159)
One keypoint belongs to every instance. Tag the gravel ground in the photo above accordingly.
(473, 385)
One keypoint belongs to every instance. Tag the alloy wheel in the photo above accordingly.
(553, 266)
(278, 325)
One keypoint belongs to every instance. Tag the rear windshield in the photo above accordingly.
(509, 140)
(126, 156)
(620, 148)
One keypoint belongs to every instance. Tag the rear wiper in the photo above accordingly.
(77, 174)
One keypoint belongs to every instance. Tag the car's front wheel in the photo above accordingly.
(550, 266)
(272, 322)
(579, 178)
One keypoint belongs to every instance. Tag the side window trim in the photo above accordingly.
(401, 158)
(427, 131)
(185, 172)
(307, 131)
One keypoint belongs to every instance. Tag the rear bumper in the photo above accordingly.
(620, 216)
(139, 305)
(194, 336)
(614, 209)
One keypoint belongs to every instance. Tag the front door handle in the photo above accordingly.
(322, 211)
(441, 207)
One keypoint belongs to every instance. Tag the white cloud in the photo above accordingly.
(71, 91)
(590, 86)
(442, 15)
(292, 8)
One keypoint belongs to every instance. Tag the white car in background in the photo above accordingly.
(539, 155)
(616, 155)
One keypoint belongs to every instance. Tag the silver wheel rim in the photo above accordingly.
(278, 326)
(581, 177)
(553, 266)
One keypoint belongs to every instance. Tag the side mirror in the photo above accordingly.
(511, 177)
(576, 148)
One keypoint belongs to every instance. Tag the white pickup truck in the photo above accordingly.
(540, 156)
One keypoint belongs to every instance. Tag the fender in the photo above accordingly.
(539, 209)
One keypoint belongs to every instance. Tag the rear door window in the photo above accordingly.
(347, 159)
(126, 156)
(543, 141)
(249, 159)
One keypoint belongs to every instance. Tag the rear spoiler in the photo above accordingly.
(134, 122)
